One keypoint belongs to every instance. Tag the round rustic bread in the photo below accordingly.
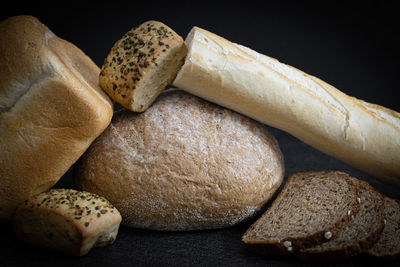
(184, 164)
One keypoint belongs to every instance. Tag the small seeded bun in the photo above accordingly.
(142, 64)
(184, 164)
(67, 220)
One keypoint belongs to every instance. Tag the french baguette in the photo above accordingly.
(361, 134)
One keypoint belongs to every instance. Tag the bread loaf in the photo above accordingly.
(67, 220)
(363, 135)
(141, 64)
(51, 109)
(184, 164)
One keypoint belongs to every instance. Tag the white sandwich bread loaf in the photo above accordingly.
(363, 135)
(51, 109)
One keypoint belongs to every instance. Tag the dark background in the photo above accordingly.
(351, 45)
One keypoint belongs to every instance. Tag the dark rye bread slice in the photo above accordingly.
(388, 245)
(360, 234)
(311, 208)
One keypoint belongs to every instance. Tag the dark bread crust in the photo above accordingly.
(278, 248)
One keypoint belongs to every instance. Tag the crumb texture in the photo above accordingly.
(311, 208)
(360, 234)
(388, 245)
(141, 64)
(67, 220)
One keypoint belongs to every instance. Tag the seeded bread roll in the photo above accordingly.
(67, 220)
(142, 64)
(184, 164)
(51, 109)
(312, 208)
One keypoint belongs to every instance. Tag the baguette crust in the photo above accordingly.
(361, 134)
(51, 109)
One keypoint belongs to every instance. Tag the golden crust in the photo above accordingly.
(363, 135)
(51, 109)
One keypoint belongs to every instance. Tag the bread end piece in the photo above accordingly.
(67, 220)
(141, 64)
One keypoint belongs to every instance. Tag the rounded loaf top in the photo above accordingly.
(183, 164)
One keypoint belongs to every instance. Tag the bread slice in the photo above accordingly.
(67, 220)
(360, 234)
(312, 208)
(388, 245)
(141, 64)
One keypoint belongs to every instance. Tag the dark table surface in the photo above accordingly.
(353, 46)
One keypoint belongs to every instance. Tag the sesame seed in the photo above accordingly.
(328, 235)
(287, 243)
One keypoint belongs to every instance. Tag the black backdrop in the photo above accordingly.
(351, 45)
